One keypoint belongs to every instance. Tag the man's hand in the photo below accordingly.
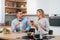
(17, 24)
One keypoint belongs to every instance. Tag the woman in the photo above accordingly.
(43, 24)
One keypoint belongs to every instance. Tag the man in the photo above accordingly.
(20, 24)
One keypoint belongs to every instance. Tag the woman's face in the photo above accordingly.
(39, 14)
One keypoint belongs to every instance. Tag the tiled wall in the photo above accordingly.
(28, 17)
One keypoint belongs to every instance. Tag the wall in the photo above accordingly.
(2, 13)
(43, 4)
(49, 6)
(56, 30)
(31, 6)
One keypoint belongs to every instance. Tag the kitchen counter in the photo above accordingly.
(56, 38)
(12, 36)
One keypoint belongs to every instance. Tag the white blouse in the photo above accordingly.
(45, 23)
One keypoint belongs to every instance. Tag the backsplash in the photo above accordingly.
(28, 17)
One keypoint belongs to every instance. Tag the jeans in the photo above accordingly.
(18, 29)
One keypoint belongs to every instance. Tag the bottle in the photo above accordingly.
(41, 36)
(4, 30)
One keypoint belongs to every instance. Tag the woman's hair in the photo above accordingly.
(41, 10)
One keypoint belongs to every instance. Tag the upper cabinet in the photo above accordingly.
(12, 5)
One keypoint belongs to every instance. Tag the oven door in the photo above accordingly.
(54, 20)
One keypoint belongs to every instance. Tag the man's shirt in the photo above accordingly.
(24, 24)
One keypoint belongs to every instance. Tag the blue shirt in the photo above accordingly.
(23, 25)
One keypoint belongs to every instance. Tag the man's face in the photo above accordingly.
(19, 15)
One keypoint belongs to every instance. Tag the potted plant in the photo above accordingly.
(7, 11)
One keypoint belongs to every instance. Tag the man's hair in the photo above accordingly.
(18, 10)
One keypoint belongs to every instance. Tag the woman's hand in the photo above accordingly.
(43, 27)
